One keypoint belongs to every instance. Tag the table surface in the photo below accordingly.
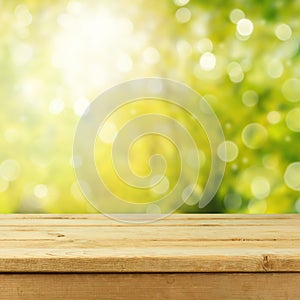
(179, 243)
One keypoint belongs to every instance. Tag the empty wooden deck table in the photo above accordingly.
(179, 257)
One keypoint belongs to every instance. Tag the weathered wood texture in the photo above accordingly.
(179, 243)
(188, 286)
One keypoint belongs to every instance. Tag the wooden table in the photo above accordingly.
(180, 257)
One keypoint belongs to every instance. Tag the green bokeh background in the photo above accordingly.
(57, 56)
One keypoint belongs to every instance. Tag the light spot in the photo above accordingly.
(40, 191)
(197, 192)
(254, 135)
(208, 61)
(183, 15)
(257, 206)
(260, 187)
(228, 151)
(80, 106)
(246, 64)
(293, 119)
(199, 26)
(283, 32)
(153, 209)
(274, 117)
(235, 72)
(250, 98)
(233, 201)
(234, 167)
(10, 170)
(184, 48)
(162, 186)
(291, 89)
(244, 27)
(181, 2)
(228, 125)
(108, 132)
(23, 15)
(245, 160)
(133, 111)
(204, 45)
(287, 138)
(275, 68)
(292, 176)
(236, 15)
(30, 88)
(56, 106)
(151, 56)
(270, 161)
(124, 63)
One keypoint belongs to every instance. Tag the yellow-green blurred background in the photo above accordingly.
(242, 56)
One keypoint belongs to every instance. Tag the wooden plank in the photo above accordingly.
(150, 286)
(179, 243)
(176, 218)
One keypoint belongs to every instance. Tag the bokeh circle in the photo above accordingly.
(172, 93)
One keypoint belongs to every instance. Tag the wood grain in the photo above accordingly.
(179, 243)
(150, 286)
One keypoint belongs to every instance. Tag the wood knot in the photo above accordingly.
(266, 263)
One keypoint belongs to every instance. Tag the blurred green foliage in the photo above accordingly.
(242, 56)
